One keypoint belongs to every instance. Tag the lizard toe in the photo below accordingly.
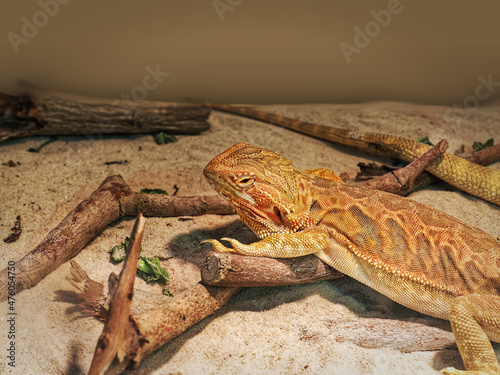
(218, 247)
(237, 245)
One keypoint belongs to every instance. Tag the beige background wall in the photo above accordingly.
(255, 51)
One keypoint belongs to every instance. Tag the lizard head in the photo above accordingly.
(262, 186)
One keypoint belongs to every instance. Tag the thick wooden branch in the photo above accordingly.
(226, 269)
(65, 241)
(46, 113)
(111, 201)
(157, 326)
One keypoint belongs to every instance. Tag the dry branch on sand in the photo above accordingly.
(48, 113)
(111, 201)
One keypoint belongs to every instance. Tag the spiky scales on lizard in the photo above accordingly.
(412, 253)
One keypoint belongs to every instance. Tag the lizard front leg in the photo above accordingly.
(279, 245)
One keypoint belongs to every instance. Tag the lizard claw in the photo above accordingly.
(218, 247)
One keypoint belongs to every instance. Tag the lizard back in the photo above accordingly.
(411, 241)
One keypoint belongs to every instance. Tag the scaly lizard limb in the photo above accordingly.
(414, 254)
(475, 179)
(278, 245)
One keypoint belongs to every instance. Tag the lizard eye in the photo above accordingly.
(244, 182)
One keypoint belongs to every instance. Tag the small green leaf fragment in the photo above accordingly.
(425, 140)
(144, 270)
(478, 146)
(149, 269)
(37, 149)
(118, 252)
(164, 138)
(153, 191)
(167, 292)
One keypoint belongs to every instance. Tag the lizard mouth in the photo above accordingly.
(271, 214)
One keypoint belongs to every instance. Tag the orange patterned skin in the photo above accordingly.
(475, 179)
(412, 253)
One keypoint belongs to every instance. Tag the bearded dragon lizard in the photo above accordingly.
(414, 254)
(475, 179)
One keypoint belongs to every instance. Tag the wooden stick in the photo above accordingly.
(167, 206)
(111, 201)
(65, 241)
(158, 326)
(48, 113)
(114, 341)
(404, 180)
(483, 157)
(227, 269)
